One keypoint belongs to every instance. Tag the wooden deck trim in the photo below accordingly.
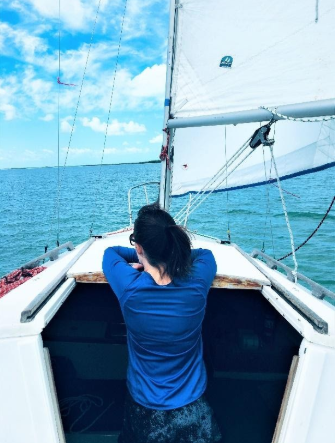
(220, 281)
(285, 399)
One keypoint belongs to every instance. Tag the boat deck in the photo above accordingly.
(234, 271)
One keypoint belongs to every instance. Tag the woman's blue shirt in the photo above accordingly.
(164, 325)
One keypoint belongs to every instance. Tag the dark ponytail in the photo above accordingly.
(166, 245)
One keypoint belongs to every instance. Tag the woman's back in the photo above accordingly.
(166, 368)
(163, 308)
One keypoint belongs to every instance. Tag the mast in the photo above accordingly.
(167, 141)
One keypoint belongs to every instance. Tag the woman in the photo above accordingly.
(163, 308)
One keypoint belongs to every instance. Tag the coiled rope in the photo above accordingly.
(313, 233)
(84, 403)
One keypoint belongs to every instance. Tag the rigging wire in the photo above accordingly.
(58, 123)
(312, 234)
(108, 120)
(61, 173)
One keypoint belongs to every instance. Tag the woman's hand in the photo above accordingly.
(137, 266)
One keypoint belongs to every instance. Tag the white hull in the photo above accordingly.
(29, 409)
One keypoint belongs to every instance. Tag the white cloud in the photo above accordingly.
(157, 139)
(47, 151)
(111, 151)
(115, 127)
(29, 92)
(149, 82)
(79, 151)
(38, 91)
(30, 155)
(47, 118)
(136, 150)
(8, 88)
(133, 150)
(27, 44)
(8, 110)
(65, 125)
(74, 14)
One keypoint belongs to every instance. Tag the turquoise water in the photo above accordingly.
(28, 217)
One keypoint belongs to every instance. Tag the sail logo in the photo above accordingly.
(226, 62)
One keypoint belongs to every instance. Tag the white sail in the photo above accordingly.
(272, 53)
(200, 152)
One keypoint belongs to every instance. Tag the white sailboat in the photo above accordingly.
(268, 340)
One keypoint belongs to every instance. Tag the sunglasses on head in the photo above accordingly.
(131, 239)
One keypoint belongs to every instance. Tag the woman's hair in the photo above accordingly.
(166, 245)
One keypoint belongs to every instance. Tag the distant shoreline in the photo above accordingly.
(81, 166)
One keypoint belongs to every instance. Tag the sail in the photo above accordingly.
(299, 148)
(240, 55)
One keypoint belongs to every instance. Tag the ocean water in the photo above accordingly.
(96, 198)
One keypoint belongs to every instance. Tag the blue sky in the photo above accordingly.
(29, 92)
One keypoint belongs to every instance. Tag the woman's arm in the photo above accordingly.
(117, 271)
(203, 267)
(128, 254)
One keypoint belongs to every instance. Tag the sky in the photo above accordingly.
(30, 95)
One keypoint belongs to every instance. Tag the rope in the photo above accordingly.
(287, 192)
(305, 120)
(286, 214)
(204, 196)
(227, 197)
(271, 225)
(60, 179)
(171, 170)
(164, 155)
(85, 403)
(312, 234)
(108, 120)
(200, 195)
(268, 207)
(316, 11)
(187, 212)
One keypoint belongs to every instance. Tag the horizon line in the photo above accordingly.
(90, 165)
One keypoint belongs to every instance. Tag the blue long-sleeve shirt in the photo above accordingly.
(164, 325)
